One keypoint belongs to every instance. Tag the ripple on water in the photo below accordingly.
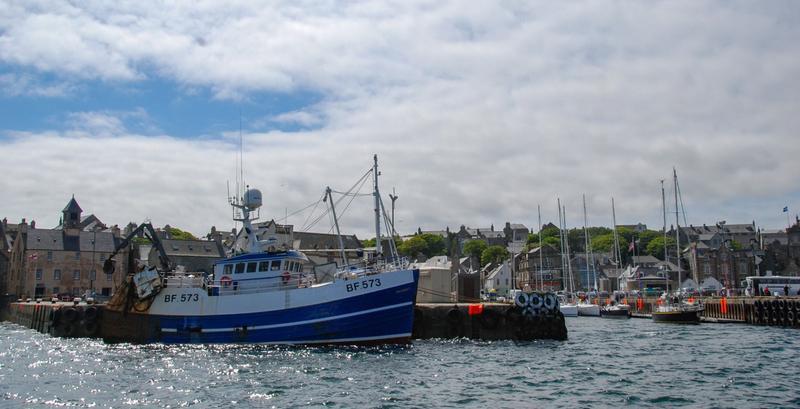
(604, 363)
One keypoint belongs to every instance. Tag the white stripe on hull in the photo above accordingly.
(289, 324)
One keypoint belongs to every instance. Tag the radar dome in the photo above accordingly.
(252, 198)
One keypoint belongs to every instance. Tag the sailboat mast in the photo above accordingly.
(566, 241)
(677, 227)
(541, 256)
(378, 250)
(564, 275)
(616, 239)
(664, 213)
(586, 242)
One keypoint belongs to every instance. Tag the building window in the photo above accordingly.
(76, 275)
(93, 275)
(57, 275)
(109, 277)
(38, 274)
(49, 256)
(55, 290)
(77, 255)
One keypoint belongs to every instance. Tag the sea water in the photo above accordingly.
(605, 363)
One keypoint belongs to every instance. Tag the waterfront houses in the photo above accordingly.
(65, 260)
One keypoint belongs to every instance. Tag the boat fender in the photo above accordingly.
(285, 277)
(791, 317)
(225, 281)
(521, 300)
(90, 327)
(489, 319)
(454, 316)
(535, 301)
(71, 314)
(550, 302)
(90, 314)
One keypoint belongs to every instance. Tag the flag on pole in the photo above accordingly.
(786, 209)
(34, 256)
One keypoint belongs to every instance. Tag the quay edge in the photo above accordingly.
(489, 322)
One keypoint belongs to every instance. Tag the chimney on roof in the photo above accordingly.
(115, 231)
(491, 228)
(33, 224)
(5, 222)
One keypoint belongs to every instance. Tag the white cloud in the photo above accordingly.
(478, 112)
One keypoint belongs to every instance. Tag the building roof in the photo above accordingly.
(193, 248)
(307, 240)
(58, 240)
(72, 206)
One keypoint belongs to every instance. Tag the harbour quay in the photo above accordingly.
(771, 311)
(480, 321)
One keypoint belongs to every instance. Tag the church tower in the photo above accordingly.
(71, 218)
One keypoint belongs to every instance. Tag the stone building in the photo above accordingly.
(67, 260)
(550, 277)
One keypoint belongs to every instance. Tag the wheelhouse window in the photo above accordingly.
(240, 268)
(251, 267)
(263, 266)
(227, 269)
(276, 265)
(289, 265)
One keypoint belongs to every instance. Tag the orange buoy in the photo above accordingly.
(475, 309)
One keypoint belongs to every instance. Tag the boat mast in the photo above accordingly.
(677, 227)
(664, 212)
(566, 240)
(616, 240)
(568, 285)
(336, 223)
(586, 243)
(541, 256)
(375, 173)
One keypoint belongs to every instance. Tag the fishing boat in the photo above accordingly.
(264, 294)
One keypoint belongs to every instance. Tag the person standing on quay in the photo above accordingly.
(786, 290)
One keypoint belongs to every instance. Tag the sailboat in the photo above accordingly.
(614, 309)
(566, 305)
(585, 307)
(673, 309)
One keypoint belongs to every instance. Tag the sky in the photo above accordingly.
(478, 111)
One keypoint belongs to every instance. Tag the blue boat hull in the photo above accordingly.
(385, 316)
